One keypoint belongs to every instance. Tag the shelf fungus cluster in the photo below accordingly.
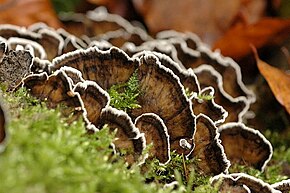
(191, 100)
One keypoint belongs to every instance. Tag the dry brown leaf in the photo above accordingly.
(25, 13)
(278, 81)
(208, 18)
(268, 31)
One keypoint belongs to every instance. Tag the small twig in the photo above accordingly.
(184, 168)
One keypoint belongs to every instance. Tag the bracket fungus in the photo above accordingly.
(164, 95)
(94, 99)
(283, 186)
(128, 136)
(15, 43)
(204, 103)
(240, 182)
(187, 77)
(55, 89)
(155, 132)
(106, 68)
(208, 151)
(175, 73)
(230, 71)
(244, 145)
(236, 107)
(50, 41)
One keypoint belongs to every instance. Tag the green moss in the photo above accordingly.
(124, 96)
(206, 97)
(45, 154)
(178, 169)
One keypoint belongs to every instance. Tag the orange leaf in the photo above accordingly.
(207, 18)
(236, 41)
(25, 13)
(278, 81)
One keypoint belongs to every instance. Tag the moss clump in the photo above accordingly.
(45, 154)
(124, 96)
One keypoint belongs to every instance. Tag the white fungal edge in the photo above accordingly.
(35, 35)
(100, 44)
(236, 178)
(88, 83)
(134, 129)
(282, 183)
(218, 76)
(162, 45)
(120, 33)
(4, 41)
(79, 74)
(67, 37)
(226, 61)
(184, 35)
(85, 84)
(42, 63)
(170, 186)
(185, 72)
(218, 141)
(89, 126)
(101, 14)
(88, 51)
(251, 130)
(148, 55)
(3, 144)
(120, 113)
(38, 26)
(184, 47)
(164, 129)
(55, 35)
(29, 44)
(217, 106)
(201, 47)
(21, 30)
(227, 176)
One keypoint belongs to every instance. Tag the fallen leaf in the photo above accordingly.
(266, 32)
(208, 18)
(278, 81)
(25, 13)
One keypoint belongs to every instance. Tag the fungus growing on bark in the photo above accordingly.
(163, 94)
(245, 146)
(106, 68)
(283, 186)
(243, 183)
(208, 151)
(155, 133)
(128, 137)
